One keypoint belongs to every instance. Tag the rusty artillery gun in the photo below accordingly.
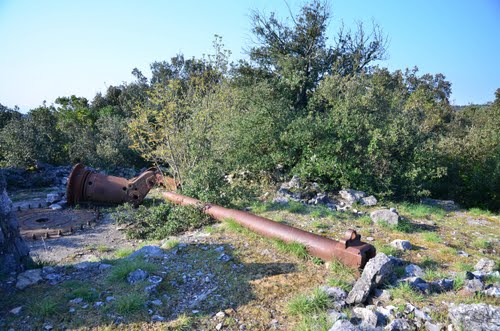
(88, 186)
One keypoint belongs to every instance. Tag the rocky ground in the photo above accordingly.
(436, 269)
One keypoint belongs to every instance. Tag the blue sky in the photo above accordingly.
(57, 48)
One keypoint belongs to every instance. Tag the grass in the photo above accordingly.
(123, 268)
(403, 225)
(45, 308)
(294, 248)
(405, 292)
(342, 272)
(461, 266)
(433, 274)
(481, 243)
(182, 323)
(421, 211)
(297, 207)
(480, 212)
(316, 322)
(459, 282)
(340, 283)
(431, 237)
(303, 304)
(123, 252)
(170, 244)
(81, 290)
(129, 304)
(365, 220)
(389, 250)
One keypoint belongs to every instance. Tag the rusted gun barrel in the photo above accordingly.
(350, 251)
(85, 185)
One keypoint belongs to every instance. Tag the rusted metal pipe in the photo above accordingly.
(350, 251)
(85, 185)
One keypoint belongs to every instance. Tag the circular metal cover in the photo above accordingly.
(46, 223)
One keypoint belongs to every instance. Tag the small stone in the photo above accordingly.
(492, 292)
(473, 285)
(336, 293)
(370, 238)
(17, 310)
(76, 301)
(462, 253)
(384, 215)
(280, 200)
(47, 327)
(151, 289)
(55, 206)
(72, 310)
(367, 316)
(421, 315)
(225, 258)
(157, 302)
(219, 249)
(110, 298)
(99, 304)
(155, 279)
(218, 326)
(442, 285)
(53, 197)
(413, 270)
(398, 324)
(368, 201)
(344, 325)
(432, 327)
(28, 278)
(137, 276)
(157, 318)
(195, 311)
(351, 196)
(334, 316)
(382, 295)
(147, 251)
(85, 306)
(53, 278)
(485, 265)
(400, 244)
(220, 314)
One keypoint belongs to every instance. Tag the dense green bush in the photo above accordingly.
(159, 221)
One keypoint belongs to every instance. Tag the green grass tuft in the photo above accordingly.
(170, 244)
(120, 271)
(123, 252)
(130, 304)
(342, 272)
(340, 283)
(45, 308)
(480, 212)
(297, 207)
(431, 237)
(406, 293)
(293, 248)
(421, 211)
(481, 243)
(303, 304)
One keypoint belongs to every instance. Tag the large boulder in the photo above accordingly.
(378, 271)
(448, 205)
(14, 253)
(485, 265)
(368, 201)
(475, 317)
(385, 215)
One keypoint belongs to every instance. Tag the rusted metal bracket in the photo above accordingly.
(350, 251)
(85, 185)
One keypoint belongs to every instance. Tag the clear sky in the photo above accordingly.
(54, 48)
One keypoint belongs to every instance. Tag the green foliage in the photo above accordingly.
(341, 271)
(159, 221)
(340, 283)
(431, 237)
(406, 293)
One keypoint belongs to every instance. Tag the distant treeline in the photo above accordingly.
(300, 104)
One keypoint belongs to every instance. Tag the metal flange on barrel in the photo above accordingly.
(85, 185)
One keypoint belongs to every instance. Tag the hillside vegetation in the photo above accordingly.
(302, 103)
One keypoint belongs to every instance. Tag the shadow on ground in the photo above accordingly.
(187, 284)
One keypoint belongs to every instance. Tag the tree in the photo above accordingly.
(297, 57)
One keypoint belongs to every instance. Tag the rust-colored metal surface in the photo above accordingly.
(350, 251)
(88, 186)
(37, 224)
